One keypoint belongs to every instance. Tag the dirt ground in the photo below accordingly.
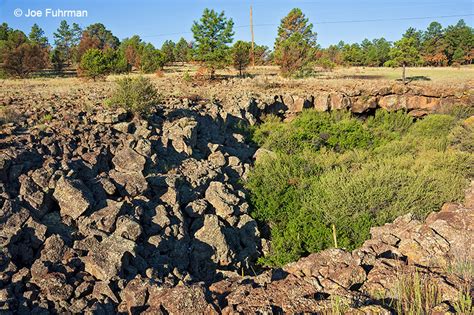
(180, 81)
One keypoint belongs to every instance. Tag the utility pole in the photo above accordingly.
(252, 55)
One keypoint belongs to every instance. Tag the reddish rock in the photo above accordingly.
(73, 196)
(179, 300)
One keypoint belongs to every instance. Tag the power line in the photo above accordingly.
(337, 22)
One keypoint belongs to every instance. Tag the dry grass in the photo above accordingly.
(416, 294)
(181, 80)
(8, 115)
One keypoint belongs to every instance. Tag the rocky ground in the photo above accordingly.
(102, 212)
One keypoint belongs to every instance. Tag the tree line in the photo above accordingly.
(95, 51)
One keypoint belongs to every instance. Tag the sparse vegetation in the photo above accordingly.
(8, 115)
(137, 95)
(331, 168)
(415, 293)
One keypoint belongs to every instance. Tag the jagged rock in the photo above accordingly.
(382, 277)
(321, 102)
(128, 228)
(105, 260)
(363, 103)
(161, 217)
(197, 173)
(217, 158)
(11, 221)
(102, 289)
(54, 286)
(220, 197)
(128, 160)
(53, 250)
(179, 300)
(339, 101)
(131, 183)
(111, 117)
(210, 245)
(444, 237)
(73, 196)
(196, 208)
(333, 268)
(290, 295)
(38, 201)
(105, 218)
(134, 296)
(391, 102)
(182, 133)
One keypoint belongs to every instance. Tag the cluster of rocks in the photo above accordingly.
(102, 212)
(416, 101)
(93, 199)
(367, 280)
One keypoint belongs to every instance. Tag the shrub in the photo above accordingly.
(151, 59)
(331, 168)
(241, 55)
(8, 115)
(94, 64)
(187, 77)
(137, 95)
(462, 136)
(326, 64)
(416, 293)
(314, 130)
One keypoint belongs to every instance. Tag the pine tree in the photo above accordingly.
(212, 34)
(296, 22)
(168, 49)
(295, 43)
(66, 39)
(241, 55)
(37, 36)
(182, 50)
(405, 53)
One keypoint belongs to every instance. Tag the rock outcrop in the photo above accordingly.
(104, 213)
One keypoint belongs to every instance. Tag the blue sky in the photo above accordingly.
(156, 20)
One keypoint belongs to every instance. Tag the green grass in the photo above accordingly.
(331, 168)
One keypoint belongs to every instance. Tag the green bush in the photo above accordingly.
(94, 64)
(314, 130)
(462, 136)
(363, 174)
(137, 95)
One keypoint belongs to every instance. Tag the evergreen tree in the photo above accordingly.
(66, 40)
(212, 34)
(405, 53)
(241, 55)
(434, 45)
(105, 37)
(182, 50)
(132, 48)
(295, 43)
(459, 42)
(4, 31)
(37, 36)
(296, 22)
(168, 49)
